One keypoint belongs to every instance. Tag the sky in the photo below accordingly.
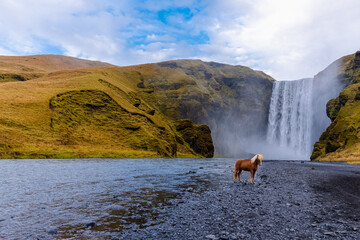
(287, 39)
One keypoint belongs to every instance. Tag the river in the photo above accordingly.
(177, 199)
(68, 198)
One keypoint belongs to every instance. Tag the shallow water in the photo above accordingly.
(93, 198)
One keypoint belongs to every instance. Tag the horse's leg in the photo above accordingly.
(252, 172)
(235, 174)
(239, 175)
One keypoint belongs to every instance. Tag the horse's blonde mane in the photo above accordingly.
(257, 156)
(254, 158)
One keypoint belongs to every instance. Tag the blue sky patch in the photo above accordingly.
(184, 14)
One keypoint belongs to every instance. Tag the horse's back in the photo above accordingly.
(243, 164)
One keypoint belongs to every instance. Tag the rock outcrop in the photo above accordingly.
(198, 137)
(341, 140)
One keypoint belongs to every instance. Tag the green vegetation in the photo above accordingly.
(65, 112)
(92, 117)
(11, 77)
(73, 108)
(198, 137)
(341, 139)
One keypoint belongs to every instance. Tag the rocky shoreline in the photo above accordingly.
(290, 200)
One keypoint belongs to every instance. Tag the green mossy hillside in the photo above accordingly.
(80, 113)
(198, 137)
(341, 140)
(92, 117)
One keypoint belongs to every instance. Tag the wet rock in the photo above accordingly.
(224, 237)
(333, 234)
(90, 225)
(53, 231)
(233, 237)
(262, 213)
(242, 236)
(210, 236)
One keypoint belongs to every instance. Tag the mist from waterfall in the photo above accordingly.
(290, 120)
(297, 114)
(326, 85)
(285, 126)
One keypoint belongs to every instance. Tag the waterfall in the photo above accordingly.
(290, 120)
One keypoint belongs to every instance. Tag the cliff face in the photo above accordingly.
(233, 100)
(341, 140)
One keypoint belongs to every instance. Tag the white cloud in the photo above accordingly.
(6, 52)
(155, 37)
(79, 28)
(287, 39)
(292, 39)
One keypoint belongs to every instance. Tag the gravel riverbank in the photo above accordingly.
(290, 200)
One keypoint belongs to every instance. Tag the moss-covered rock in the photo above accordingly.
(341, 139)
(332, 108)
(198, 137)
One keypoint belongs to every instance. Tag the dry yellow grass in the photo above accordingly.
(25, 115)
(350, 155)
(45, 63)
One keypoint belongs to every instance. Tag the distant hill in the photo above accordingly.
(30, 67)
(55, 107)
(46, 63)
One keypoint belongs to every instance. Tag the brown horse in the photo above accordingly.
(248, 165)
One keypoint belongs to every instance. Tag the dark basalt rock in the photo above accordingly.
(357, 59)
(198, 137)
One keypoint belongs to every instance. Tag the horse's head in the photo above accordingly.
(257, 158)
(260, 158)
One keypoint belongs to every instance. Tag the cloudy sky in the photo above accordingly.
(286, 39)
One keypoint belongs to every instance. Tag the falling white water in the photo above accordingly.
(290, 120)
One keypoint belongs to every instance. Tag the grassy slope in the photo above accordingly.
(29, 67)
(341, 140)
(26, 117)
(45, 63)
(151, 96)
